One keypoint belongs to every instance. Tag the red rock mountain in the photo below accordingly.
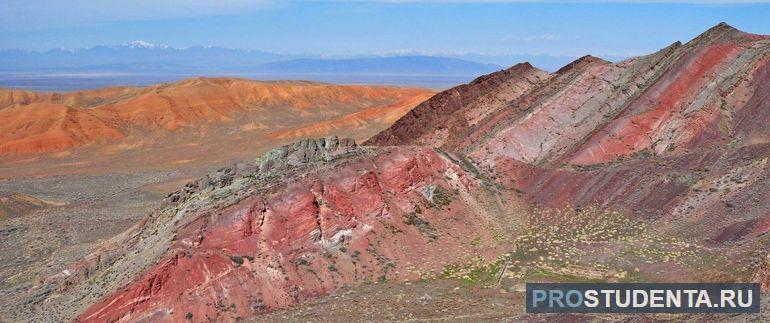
(651, 169)
(707, 93)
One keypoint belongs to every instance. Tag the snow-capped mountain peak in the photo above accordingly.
(144, 44)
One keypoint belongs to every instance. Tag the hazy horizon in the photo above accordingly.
(258, 33)
(370, 28)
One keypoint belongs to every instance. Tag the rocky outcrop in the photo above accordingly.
(302, 220)
(306, 152)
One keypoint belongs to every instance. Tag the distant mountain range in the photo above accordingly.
(401, 65)
(135, 56)
(141, 63)
(144, 57)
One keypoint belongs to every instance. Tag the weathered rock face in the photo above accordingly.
(303, 220)
(674, 141)
(700, 102)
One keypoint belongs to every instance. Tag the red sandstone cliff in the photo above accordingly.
(304, 220)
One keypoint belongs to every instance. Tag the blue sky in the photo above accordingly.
(570, 28)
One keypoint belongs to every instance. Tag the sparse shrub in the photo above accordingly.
(442, 196)
(237, 260)
(301, 262)
(421, 224)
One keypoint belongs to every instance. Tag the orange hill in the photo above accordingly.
(198, 109)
